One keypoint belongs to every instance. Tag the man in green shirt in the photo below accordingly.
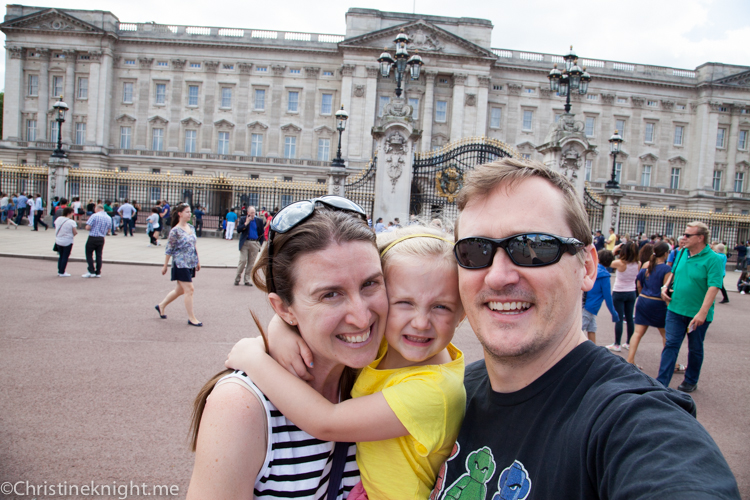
(697, 277)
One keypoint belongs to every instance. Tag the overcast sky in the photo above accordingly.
(676, 33)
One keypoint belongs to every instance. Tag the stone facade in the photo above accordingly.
(260, 103)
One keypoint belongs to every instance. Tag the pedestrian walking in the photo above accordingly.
(65, 230)
(252, 236)
(77, 210)
(99, 225)
(152, 227)
(4, 201)
(21, 205)
(741, 257)
(721, 251)
(623, 295)
(185, 262)
(601, 292)
(231, 219)
(198, 213)
(166, 215)
(127, 212)
(695, 281)
(39, 213)
(650, 309)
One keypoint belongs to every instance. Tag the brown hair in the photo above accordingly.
(605, 257)
(323, 228)
(628, 252)
(485, 178)
(67, 211)
(660, 250)
(175, 219)
(645, 254)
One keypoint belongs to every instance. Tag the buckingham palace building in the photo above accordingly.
(260, 104)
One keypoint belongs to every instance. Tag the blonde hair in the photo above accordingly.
(432, 244)
(485, 178)
(702, 229)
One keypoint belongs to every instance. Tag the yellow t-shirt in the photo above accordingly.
(430, 402)
(611, 242)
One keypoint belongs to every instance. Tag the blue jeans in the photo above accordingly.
(126, 226)
(624, 303)
(676, 326)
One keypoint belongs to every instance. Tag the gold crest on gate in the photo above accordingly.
(448, 182)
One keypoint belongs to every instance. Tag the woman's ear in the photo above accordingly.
(282, 309)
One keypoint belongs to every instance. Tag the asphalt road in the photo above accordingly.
(95, 387)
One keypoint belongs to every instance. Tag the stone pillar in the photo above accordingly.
(611, 213)
(69, 95)
(244, 105)
(732, 149)
(93, 124)
(274, 147)
(457, 113)
(103, 109)
(307, 115)
(480, 128)
(336, 180)
(396, 139)
(205, 132)
(347, 74)
(14, 92)
(58, 178)
(428, 115)
(42, 131)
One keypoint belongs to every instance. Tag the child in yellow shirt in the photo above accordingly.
(409, 403)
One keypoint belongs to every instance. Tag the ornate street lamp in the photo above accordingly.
(615, 143)
(60, 109)
(341, 117)
(401, 63)
(570, 79)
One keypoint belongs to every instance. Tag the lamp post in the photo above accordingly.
(60, 109)
(401, 63)
(570, 79)
(341, 117)
(615, 143)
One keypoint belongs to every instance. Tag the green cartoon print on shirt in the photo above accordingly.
(480, 466)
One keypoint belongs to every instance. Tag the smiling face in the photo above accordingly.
(424, 308)
(523, 313)
(340, 304)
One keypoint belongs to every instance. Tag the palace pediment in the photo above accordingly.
(51, 20)
(736, 80)
(425, 38)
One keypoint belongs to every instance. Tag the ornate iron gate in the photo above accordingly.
(360, 187)
(594, 209)
(438, 175)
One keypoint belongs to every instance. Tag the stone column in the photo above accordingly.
(244, 105)
(308, 115)
(273, 147)
(457, 113)
(732, 148)
(205, 134)
(611, 213)
(347, 74)
(416, 93)
(42, 132)
(14, 88)
(482, 106)
(371, 105)
(429, 116)
(93, 124)
(145, 96)
(69, 95)
(336, 180)
(105, 101)
(57, 176)
(708, 118)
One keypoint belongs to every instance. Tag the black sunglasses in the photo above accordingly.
(525, 250)
(298, 212)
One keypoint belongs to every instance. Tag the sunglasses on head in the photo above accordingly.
(524, 250)
(295, 214)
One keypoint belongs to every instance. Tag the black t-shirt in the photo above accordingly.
(594, 427)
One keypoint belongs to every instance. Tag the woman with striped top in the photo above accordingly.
(322, 263)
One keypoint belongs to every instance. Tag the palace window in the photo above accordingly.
(80, 133)
(190, 140)
(742, 140)
(618, 171)
(646, 176)
(34, 85)
(83, 88)
(326, 104)
(414, 103)
(223, 143)
(441, 111)
(720, 136)
(260, 99)
(674, 180)
(127, 92)
(57, 86)
(496, 114)
(125, 135)
(679, 131)
(161, 93)
(649, 133)
(226, 97)
(590, 122)
(739, 182)
(716, 184)
(620, 127)
(324, 149)
(54, 128)
(293, 102)
(256, 145)
(195, 65)
(290, 147)
(192, 95)
(31, 130)
(528, 118)
(157, 139)
(589, 166)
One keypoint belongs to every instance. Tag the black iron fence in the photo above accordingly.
(594, 209)
(360, 187)
(729, 228)
(24, 179)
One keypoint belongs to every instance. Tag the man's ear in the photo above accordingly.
(589, 266)
(282, 309)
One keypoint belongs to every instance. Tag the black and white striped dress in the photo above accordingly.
(297, 465)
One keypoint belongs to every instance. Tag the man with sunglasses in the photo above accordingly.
(697, 276)
(549, 414)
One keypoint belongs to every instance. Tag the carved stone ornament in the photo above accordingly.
(571, 161)
(545, 91)
(95, 56)
(211, 66)
(16, 52)
(358, 90)
(69, 56)
(190, 121)
(395, 144)
(615, 212)
(667, 104)
(419, 40)
(678, 161)
(514, 88)
(397, 109)
(125, 118)
(311, 72)
(324, 131)
(637, 101)
(693, 106)
(158, 120)
(395, 169)
(223, 124)
(245, 67)
(53, 180)
(291, 127)
(470, 99)
(448, 182)
(414, 91)
(576, 96)
(278, 69)
(372, 71)
(79, 118)
(347, 69)
(608, 99)
(145, 62)
(430, 76)
(460, 78)
(715, 106)
(256, 125)
(337, 185)
(484, 81)
(178, 63)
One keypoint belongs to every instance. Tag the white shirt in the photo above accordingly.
(64, 231)
(38, 204)
(127, 210)
(76, 206)
(154, 220)
(4, 201)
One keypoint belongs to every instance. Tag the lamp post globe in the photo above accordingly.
(571, 78)
(60, 108)
(615, 145)
(401, 63)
